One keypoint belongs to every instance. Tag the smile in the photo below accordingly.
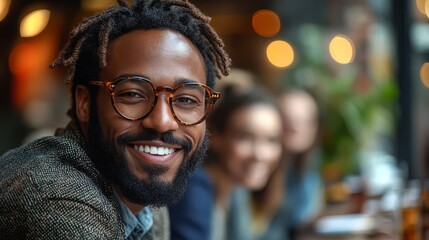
(154, 150)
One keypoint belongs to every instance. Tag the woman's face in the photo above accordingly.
(250, 147)
(300, 122)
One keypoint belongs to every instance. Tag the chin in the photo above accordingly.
(255, 185)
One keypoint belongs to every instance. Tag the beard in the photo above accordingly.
(109, 158)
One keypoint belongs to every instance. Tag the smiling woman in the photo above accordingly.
(245, 150)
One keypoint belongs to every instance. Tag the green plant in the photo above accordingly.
(358, 107)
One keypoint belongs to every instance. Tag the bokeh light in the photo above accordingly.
(341, 49)
(266, 23)
(424, 74)
(34, 23)
(280, 53)
(22, 63)
(96, 5)
(420, 4)
(4, 8)
(426, 8)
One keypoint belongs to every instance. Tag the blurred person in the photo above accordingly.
(304, 186)
(292, 197)
(260, 214)
(141, 79)
(245, 149)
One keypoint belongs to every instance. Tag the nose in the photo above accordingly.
(261, 152)
(161, 118)
(257, 152)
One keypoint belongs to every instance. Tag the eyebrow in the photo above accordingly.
(176, 82)
(184, 80)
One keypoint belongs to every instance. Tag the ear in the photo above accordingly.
(82, 99)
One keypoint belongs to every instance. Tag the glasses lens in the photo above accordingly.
(190, 103)
(134, 98)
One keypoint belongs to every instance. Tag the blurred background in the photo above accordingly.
(367, 60)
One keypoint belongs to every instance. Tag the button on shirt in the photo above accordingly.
(135, 226)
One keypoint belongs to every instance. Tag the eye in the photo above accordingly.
(185, 100)
(131, 96)
(274, 139)
(243, 135)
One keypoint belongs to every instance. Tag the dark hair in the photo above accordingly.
(234, 99)
(85, 53)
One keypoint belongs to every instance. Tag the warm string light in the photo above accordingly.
(266, 23)
(427, 8)
(97, 5)
(34, 23)
(423, 7)
(280, 54)
(4, 8)
(424, 74)
(342, 49)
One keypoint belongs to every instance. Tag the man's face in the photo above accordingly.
(119, 146)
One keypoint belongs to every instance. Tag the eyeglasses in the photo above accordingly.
(134, 97)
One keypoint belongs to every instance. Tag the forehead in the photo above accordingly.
(158, 54)
(298, 104)
(261, 117)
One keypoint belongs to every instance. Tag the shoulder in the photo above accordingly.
(46, 168)
(191, 216)
(199, 192)
(41, 191)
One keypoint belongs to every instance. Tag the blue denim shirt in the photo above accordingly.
(136, 226)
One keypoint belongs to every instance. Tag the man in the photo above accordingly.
(139, 79)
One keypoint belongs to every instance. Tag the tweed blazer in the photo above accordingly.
(50, 189)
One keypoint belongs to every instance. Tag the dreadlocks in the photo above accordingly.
(85, 53)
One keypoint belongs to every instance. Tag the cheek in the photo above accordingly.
(241, 150)
(270, 151)
(237, 153)
(111, 123)
(307, 136)
(274, 153)
(195, 134)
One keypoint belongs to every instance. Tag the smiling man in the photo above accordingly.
(141, 79)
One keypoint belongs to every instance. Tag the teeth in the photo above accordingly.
(154, 150)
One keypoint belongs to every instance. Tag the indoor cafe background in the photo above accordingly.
(366, 60)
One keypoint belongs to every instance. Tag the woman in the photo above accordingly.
(292, 197)
(246, 130)
(304, 184)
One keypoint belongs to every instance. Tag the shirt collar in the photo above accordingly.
(136, 226)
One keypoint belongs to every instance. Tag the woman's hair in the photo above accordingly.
(234, 98)
(85, 53)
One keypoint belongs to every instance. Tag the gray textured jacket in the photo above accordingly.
(50, 189)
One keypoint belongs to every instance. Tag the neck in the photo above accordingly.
(134, 207)
(223, 184)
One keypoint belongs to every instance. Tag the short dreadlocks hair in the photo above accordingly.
(85, 53)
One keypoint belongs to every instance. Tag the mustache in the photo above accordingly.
(147, 135)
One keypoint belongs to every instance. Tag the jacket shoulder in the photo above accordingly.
(44, 192)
